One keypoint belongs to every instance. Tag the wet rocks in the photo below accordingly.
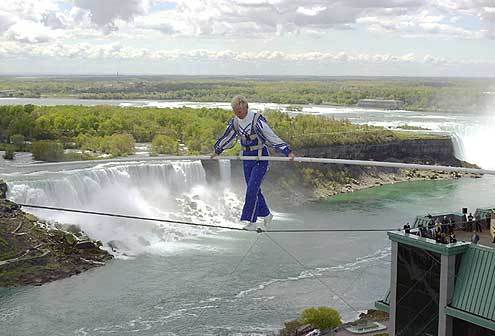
(33, 252)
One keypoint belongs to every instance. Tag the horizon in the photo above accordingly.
(241, 76)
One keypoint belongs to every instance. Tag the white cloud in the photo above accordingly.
(254, 18)
(118, 51)
(264, 18)
(104, 13)
(6, 20)
(31, 32)
(33, 10)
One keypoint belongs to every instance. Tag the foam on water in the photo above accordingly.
(320, 271)
(171, 190)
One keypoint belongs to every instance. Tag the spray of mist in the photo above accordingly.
(175, 191)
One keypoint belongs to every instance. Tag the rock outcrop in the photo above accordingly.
(297, 183)
(33, 252)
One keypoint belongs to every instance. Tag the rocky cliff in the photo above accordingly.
(298, 182)
(428, 151)
(33, 252)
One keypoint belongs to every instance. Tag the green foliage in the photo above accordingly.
(115, 144)
(164, 144)
(321, 317)
(78, 157)
(46, 150)
(9, 153)
(119, 144)
(17, 140)
(114, 130)
(290, 328)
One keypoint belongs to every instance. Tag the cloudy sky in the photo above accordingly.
(248, 37)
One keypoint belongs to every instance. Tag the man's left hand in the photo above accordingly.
(291, 156)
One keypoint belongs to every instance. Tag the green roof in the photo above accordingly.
(474, 293)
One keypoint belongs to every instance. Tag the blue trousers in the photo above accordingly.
(254, 172)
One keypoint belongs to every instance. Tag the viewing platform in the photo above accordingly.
(436, 288)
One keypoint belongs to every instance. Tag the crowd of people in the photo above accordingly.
(442, 229)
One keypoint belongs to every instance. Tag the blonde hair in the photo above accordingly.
(239, 101)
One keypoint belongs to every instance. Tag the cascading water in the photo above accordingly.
(176, 191)
(472, 142)
(471, 133)
(225, 172)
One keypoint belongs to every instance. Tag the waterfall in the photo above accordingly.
(170, 190)
(225, 171)
(472, 142)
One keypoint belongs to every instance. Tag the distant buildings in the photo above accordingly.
(388, 104)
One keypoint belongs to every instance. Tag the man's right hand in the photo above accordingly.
(214, 156)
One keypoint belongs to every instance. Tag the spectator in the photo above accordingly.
(445, 223)
(469, 225)
(407, 228)
(438, 225)
(422, 231)
(452, 238)
(478, 225)
(438, 234)
(475, 238)
(488, 220)
(451, 225)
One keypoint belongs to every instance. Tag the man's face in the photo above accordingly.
(240, 111)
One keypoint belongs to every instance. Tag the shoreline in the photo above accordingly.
(391, 178)
(325, 189)
(283, 106)
(33, 252)
(329, 188)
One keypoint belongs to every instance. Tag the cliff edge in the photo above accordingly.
(33, 252)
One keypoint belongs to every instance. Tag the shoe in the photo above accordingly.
(267, 220)
(251, 226)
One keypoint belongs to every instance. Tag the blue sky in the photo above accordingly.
(254, 37)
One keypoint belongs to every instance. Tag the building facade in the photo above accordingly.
(440, 289)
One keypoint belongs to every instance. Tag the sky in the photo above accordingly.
(249, 37)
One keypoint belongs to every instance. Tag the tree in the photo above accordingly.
(164, 144)
(321, 317)
(17, 140)
(9, 153)
(119, 144)
(46, 150)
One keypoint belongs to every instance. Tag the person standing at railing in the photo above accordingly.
(469, 224)
(255, 135)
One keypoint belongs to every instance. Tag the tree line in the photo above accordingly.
(417, 94)
(115, 130)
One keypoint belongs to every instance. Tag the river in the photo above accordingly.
(173, 280)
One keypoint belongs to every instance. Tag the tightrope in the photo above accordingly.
(259, 230)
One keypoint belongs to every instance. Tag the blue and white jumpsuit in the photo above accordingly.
(255, 135)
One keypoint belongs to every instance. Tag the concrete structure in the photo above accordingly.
(440, 289)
